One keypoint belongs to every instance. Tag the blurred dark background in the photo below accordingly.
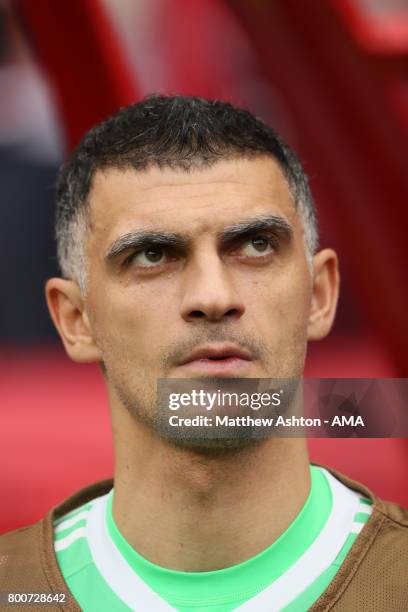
(329, 75)
(331, 79)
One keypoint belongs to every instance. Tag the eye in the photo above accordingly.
(148, 258)
(256, 247)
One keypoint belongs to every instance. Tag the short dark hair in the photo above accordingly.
(179, 132)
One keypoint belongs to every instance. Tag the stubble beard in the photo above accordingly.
(139, 399)
(144, 409)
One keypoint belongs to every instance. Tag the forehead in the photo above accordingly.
(195, 202)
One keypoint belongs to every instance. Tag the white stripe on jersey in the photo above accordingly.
(71, 514)
(120, 577)
(365, 508)
(71, 521)
(316, 559)
(63, 543)
(357, 527)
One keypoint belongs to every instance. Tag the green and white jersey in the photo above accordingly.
(105, 574)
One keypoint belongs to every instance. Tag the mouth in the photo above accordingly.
(217, 360)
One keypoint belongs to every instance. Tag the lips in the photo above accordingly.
(217, 360)
(218, 353)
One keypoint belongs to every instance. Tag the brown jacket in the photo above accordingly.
(373, 577)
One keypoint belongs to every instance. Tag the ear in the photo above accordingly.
(66, 306)
(325, 293)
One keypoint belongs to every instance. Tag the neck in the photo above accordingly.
(189, 512)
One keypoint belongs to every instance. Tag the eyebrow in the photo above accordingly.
(139, 240)
(264, 223)
(143, 239)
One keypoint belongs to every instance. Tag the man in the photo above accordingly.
(187, 240)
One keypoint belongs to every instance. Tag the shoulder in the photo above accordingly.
(373, 574)
(27, 558)
(21, 567)
(389, 510)
(19, 541)
(394, 513)
(384, 538)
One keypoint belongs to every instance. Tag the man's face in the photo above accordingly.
(211, 260)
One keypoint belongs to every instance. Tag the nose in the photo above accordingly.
(209, 292)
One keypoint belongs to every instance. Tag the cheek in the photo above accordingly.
(284, 328)
(284, 302)
(129, 321)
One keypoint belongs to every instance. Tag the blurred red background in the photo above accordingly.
(330, 78)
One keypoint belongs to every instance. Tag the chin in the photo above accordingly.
(212, 447)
